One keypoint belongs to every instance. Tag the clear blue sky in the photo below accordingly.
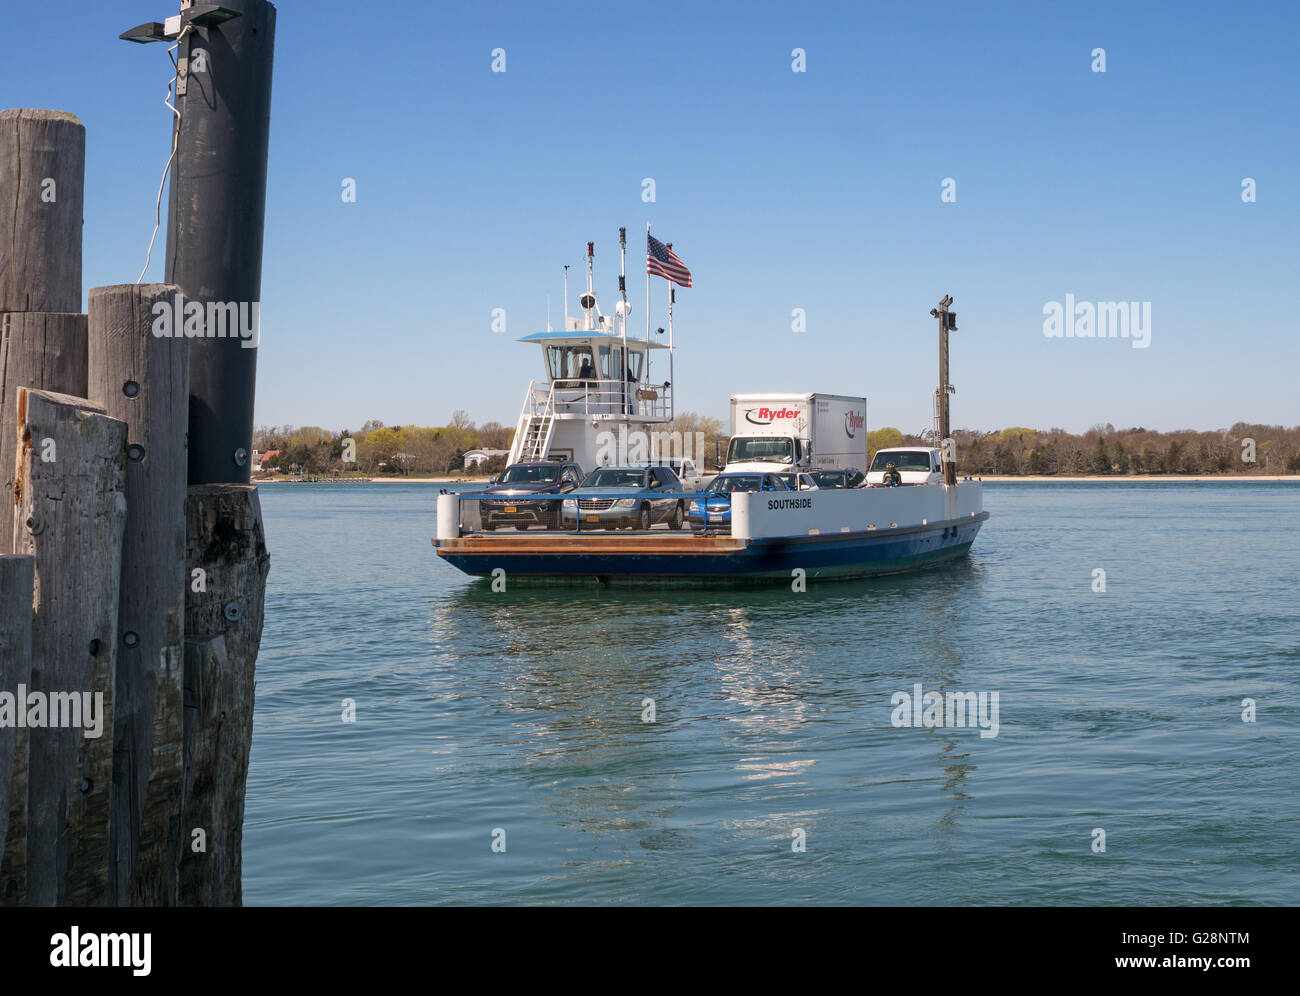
(817, 190)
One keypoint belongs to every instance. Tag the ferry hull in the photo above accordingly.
(676, 557)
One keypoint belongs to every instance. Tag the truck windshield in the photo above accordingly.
(903, 460)
(761, 449)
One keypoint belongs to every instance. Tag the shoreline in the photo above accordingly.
(988, 479)
(1141, 478)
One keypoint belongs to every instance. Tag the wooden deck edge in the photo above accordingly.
(568, 545)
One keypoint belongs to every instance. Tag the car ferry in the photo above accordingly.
(601, 383)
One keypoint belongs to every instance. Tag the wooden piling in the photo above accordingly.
(226, 546)
(70, 516)
(38, 350)
(17, 576)
(143, 380)
(42, 175)
(215, 224)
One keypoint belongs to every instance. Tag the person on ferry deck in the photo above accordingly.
(585, 372)
(892, 478)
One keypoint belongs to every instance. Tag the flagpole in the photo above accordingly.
(622, 286)
(647, 282)
(672, 294)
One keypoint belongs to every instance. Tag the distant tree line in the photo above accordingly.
(1105, 450)
(381, 449)
(414, 450)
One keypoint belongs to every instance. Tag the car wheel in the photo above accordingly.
(676, 521)
(643, 520)
(488, 527)
(521, 526)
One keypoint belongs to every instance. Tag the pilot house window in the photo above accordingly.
(569, 362)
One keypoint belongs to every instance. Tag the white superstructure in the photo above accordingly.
(605, 392)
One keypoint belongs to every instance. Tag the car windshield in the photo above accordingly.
(726, 485)
(530, 475)
(903, 460)
(608, 477)
(828, 478)
(764, 449)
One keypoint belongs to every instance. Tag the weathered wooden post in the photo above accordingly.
(17, 575)
(143, 379)
(39, 350)
(223, 629)
(42, 174)
(42, 345)
(70, 516)
(42, 330)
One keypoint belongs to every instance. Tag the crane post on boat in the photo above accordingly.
(947, 323)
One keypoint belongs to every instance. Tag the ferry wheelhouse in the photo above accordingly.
(598, 379)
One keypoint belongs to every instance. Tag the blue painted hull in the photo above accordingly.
(848, 555)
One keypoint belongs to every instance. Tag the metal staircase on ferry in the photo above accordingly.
(535, 428)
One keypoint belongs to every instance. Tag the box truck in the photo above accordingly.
(784, 432)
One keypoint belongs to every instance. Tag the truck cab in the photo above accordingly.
(767, 453)
(915, 464)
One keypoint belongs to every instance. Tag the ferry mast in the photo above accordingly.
(947, 323)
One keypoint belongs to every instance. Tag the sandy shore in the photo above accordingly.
(429, 480)
(377, 480)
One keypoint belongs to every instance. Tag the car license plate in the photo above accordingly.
(511, 508)
(715, 516)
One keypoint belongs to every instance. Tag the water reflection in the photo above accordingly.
(738, 677)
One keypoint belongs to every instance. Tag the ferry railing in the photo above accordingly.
(586, 396)
(483, 512)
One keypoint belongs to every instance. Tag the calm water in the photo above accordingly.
(522, 711)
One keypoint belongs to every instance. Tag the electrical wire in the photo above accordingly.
(176, 137)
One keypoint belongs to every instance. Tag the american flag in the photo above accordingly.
(661, 261)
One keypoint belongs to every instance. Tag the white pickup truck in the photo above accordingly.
(915, 465)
